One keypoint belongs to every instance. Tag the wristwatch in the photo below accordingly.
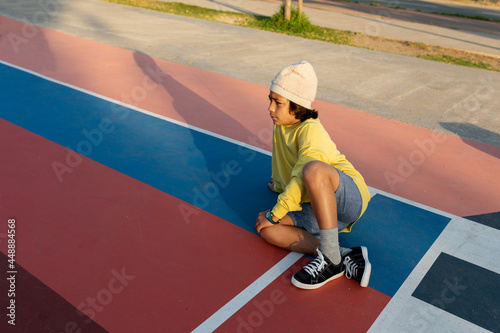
(269, 216)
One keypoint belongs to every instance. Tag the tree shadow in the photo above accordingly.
(475, 136)
(231, 173)
(20, 41)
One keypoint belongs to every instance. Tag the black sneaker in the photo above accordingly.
(320, 271)
(357, 266)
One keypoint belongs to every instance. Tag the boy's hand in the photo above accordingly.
(271, 186)
(262, 222)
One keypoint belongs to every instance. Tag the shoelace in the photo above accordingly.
(351, 268)
(316, 265)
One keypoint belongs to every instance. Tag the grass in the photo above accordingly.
(481, 18)
(456, 61)
(300, 26)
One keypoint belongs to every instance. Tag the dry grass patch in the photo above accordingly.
(425, 51)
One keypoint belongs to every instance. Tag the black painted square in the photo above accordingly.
(464, 290)
(490, 219)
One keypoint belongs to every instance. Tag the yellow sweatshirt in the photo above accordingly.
(293, 147)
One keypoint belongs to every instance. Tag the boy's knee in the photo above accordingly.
(265, 233)
(269, 235)
(312, 170)
(316, 174)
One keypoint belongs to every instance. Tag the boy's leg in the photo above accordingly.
(287, 236)
(322, 181)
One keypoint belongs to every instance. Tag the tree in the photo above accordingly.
(288, 9)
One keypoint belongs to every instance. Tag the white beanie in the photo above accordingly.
(297, 83)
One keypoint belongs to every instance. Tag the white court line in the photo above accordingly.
(135, 108)
(247, 294)
(258, 285)
(374, 191)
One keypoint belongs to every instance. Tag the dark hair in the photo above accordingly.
(302, 113)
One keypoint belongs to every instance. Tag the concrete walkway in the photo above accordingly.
(457, 33)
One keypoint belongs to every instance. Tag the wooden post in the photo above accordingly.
(288, 9)
(300, 7)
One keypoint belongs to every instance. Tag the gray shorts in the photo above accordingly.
(349, 204)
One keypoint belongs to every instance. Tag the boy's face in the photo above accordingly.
(279, 109)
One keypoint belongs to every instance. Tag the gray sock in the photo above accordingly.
(344, 251)
(330, 245)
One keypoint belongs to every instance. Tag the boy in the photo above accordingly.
(320, 191)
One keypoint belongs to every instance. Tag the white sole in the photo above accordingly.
(301, 285)
(368, 268)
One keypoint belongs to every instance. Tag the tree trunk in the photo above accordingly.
(288, 9)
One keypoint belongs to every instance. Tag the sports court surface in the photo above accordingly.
(135, 183)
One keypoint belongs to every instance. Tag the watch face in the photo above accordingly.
(268, 213)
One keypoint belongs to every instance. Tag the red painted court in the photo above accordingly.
(135, 183)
